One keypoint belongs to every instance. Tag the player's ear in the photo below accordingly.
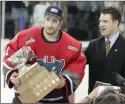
(61, 22)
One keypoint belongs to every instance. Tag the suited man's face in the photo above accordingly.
(108, 26)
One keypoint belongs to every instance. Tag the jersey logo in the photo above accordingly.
(54, 65)
(30, 40)
(73, 48)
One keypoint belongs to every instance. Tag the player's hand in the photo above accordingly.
(62, 83)
(15, 80)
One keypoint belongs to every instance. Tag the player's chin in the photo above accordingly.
(49, 32)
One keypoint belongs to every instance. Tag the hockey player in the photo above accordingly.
(54, 49)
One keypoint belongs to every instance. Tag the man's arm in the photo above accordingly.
(90, 97)
(16, 56)
(8, 68)
(86, 52)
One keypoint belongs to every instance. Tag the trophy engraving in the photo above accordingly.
(36, 83)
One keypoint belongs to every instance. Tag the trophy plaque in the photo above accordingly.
(36, 83)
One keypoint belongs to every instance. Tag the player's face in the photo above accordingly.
(107, 25)
(51, 24)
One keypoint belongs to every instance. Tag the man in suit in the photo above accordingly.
(106, 54)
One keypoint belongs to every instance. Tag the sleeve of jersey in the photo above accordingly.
(8, 68)
(73, 73)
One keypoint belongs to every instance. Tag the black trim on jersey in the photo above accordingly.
(58, 38)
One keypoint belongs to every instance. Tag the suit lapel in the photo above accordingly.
(101, 48)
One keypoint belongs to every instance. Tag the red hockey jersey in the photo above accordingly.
(64, 57)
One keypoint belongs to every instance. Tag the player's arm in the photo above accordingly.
(74, 73)
(8, 68)
(16, 55)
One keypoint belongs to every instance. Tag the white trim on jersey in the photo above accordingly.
(71, 83)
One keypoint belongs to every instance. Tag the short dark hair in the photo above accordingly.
(115, 13)
(109, 96)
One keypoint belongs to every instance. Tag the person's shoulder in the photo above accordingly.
(122, 38)
(97, 40)
(30, 32)
(70, 39)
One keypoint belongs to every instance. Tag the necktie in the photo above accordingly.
(107, 47)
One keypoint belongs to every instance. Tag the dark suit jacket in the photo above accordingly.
(102, 66)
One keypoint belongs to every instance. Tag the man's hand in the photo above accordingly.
(94, 93)
(15, 80)
(122, 95)
(91, 96)
(62, 83)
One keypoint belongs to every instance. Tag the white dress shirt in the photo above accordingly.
(112, 39)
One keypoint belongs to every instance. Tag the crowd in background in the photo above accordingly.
(80, 18)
